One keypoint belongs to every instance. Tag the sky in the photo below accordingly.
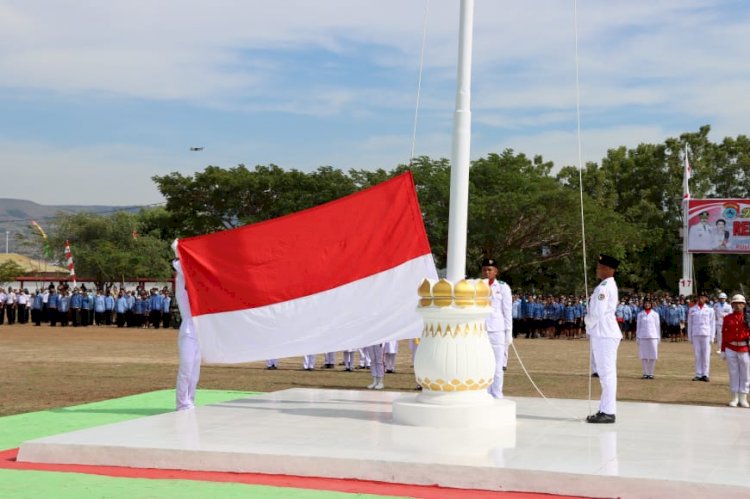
(96, 97)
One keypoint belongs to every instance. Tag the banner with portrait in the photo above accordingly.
(719, 226)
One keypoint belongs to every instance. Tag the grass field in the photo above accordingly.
(44, 367)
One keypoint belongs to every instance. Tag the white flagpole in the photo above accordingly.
(459, 191)
(686, 284)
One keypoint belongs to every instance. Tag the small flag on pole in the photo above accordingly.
(69, 262)
(686, 177)
(45, 241)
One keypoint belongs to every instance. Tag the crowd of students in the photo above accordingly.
(64, 305)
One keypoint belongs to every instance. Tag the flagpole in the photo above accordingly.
(459, 189)
(687, 257)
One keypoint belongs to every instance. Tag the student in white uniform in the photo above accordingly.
(701, 330)
(390, 349)
(499, 324)
(189, 369)
(648, 335)
(377, 369)
(602, 328)
(721, 310)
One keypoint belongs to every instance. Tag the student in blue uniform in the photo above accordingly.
(109, 307)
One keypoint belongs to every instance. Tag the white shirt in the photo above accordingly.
(600, 315)
(648, 327)
(701, 321)
(721, 310)
(23, 298)
(501, 301)
(10, 298)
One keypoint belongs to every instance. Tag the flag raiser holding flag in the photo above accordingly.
(340, 275)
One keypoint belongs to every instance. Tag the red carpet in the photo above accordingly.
(8, 461)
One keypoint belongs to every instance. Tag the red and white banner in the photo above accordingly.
(338, 276)
(719, 226)
(69, 262)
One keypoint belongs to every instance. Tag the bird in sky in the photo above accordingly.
(196, 148)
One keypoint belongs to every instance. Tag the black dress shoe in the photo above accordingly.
(705, 378)
(418, 388)
(645, 376)
(601, 418)
(650, 377)
(698, 378)
(594, 375)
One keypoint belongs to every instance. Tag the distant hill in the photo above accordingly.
(16, 216)
(31, 265)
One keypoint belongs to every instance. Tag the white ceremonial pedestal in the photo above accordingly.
(454, 363)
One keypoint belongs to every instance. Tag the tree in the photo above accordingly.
(9, 270)
(111, 248)
(218, 199)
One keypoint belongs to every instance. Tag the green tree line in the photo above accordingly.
(521, 211)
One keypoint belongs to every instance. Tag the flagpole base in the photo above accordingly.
(485, 412)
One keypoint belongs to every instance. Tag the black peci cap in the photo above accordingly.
(489, 262)
(609, 261)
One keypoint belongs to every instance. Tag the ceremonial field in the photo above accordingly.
(54, 380)
(44, 367)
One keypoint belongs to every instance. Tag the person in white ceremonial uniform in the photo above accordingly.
(377, 369)
(648, 335)
(721, 310)
(605, 335)
(499, 324)
(390, 349)
(701, 331)
(189, 369)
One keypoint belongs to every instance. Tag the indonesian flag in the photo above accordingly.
(338, 276)
(69, 262)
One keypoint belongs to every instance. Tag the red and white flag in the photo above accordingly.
(337, 276)
(69, 262)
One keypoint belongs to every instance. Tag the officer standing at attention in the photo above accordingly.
(701, 330)
(605, 335)
(499, 324)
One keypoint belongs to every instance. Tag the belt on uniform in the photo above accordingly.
(738, 343)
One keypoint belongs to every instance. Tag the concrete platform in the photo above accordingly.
(654, 450)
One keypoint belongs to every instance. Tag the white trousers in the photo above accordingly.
(497, 341)
(364, 357)
(605, 357)
(508, 341)
(377, 369)
(308, 361)
(390, 361)
(330, 358)
(348, 359)
(718, 334)
(738, 364)
(702, 351)
(188, 372)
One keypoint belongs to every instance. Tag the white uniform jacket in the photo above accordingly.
(648, 327)
(501, 318)
(701, 321)
(721, 310)
(600, 317)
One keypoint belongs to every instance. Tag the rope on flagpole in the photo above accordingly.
(419, 82)
(580, 178)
